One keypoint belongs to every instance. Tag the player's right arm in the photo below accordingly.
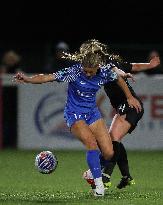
(65, 75)
(35, 79)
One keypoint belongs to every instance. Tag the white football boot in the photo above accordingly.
(96, 184)
(99, 190)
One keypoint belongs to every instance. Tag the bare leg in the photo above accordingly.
(119, 127)
(92, 136)
(82, 131)
(103, 138)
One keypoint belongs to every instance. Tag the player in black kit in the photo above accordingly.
(125, 119)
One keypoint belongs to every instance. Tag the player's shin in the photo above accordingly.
(124, 168)
(122, 161)
(109, 167)
(95, 167)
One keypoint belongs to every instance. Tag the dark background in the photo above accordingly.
(29, 27)
(116, 21)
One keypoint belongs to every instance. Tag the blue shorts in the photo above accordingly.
(89, 118)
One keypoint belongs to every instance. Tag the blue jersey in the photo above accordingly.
(82, 90)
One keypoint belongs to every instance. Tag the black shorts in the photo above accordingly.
(131, 114)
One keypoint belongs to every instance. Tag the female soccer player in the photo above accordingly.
(81, 112)
(126, 117)
(124, 121)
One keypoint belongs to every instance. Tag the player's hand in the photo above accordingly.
(134, 103)
(130, 76)
(20, 78)
(154, 62)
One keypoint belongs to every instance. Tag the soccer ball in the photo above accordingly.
(46, 162)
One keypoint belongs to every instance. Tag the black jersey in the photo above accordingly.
(114, 92)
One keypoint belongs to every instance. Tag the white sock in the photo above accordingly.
(98, 181)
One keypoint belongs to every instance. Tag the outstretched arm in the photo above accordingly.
(64, 75)
(35, 79)
(154, 62)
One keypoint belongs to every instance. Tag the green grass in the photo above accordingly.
(20, 183)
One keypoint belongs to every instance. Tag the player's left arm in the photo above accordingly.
(154, 62)
(123, 74)
(132, 101)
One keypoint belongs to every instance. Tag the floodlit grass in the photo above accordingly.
(21, 183)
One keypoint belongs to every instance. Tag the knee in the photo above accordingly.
(108, 154)
(91, 144)
(115, 136)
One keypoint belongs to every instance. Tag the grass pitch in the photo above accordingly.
(21, 183)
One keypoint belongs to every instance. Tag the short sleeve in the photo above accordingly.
(109, 73)
(112, 76)
(68, 74)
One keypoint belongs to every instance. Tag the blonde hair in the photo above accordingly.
(92, 46)
(92, 60)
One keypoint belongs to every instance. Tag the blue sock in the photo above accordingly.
(103, 161)
(94, 163)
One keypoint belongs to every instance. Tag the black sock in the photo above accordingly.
(103, 161)
(122, 161)
(112, 162)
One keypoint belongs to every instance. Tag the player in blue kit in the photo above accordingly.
(81, 112)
